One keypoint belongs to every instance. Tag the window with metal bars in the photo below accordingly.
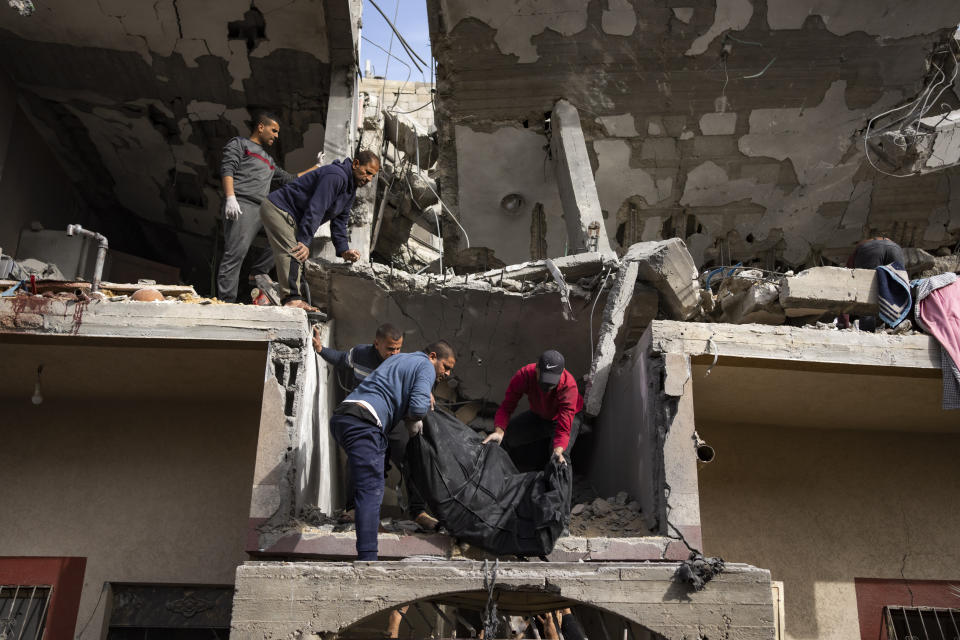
(23, 611)
(921, 623)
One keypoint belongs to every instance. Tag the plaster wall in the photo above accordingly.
(493, 164)
(732, 124)
(33, 186)
(821, 507)
(150, 485)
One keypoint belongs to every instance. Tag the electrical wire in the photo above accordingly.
(404, 43)
(603, 283)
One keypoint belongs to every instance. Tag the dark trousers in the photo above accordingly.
(529, 440)
(870, 255)
(366, 445)
(238, 236)
(397, 448)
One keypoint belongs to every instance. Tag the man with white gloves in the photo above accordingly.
(247, 170)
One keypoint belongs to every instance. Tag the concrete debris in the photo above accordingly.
(668, 266)
(815, 291)
(747, 297)
(23, 269)
(419, 146)
(612, 517)
(562, 288)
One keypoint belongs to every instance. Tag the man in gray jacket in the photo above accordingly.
(247, 170)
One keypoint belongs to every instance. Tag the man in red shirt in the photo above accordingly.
(553, 421)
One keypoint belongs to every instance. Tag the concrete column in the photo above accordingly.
(578, 191)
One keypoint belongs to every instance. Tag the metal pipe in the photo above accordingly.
(705, 452)
(75, 229)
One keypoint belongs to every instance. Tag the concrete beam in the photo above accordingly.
(313, 599)
(668, 266)
(578, 191)
(797, 344)
(177, 320)
(833, 289)
(614, 314)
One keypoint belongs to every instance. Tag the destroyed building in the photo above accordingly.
(665, 192)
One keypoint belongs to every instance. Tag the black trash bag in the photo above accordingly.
(479, 496)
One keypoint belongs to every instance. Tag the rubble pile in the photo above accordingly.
(617, 516)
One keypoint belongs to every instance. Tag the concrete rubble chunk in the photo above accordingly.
(407, 135)
(669, 267)
(746, 298)
(833, 289)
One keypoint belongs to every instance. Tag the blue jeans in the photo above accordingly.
(366, 446)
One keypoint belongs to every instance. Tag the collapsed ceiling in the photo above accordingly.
(137, 98)
(734, 124)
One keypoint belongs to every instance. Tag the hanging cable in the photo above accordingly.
(404, 43)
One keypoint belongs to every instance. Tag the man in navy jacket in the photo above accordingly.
(292, 214)
(398, 390)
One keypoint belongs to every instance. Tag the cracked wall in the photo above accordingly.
(136, 99)
(733, 124)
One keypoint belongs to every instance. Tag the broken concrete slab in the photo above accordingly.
(834, 289)
(573, 267)
(43, 315)
(575, 181)
(614, 313)
(669, 267)
(802, 344)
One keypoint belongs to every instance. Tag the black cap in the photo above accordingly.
(550, 366)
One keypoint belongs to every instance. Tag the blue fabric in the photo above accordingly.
(325, 194)
(366, 446)
(399, 388)
(894, 293)
(353, 366)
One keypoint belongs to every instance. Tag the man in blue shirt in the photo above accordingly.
(397, 391)
(292, 214)
(351, 368)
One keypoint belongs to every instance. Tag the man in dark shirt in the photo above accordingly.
(552, 423)
(293, 213)
(246, 172)
(351, 368)
(355, 364)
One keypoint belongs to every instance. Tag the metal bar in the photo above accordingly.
(954, 621)
(903, 612)
(26, 616)
(887, 617)
(416, 605)
(936, 619)
(444, 616)
(43, 615)
(926, 634)
(470, 628)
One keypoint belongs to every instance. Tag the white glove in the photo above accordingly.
(415, 428)
(232, 208)
(320, 158)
